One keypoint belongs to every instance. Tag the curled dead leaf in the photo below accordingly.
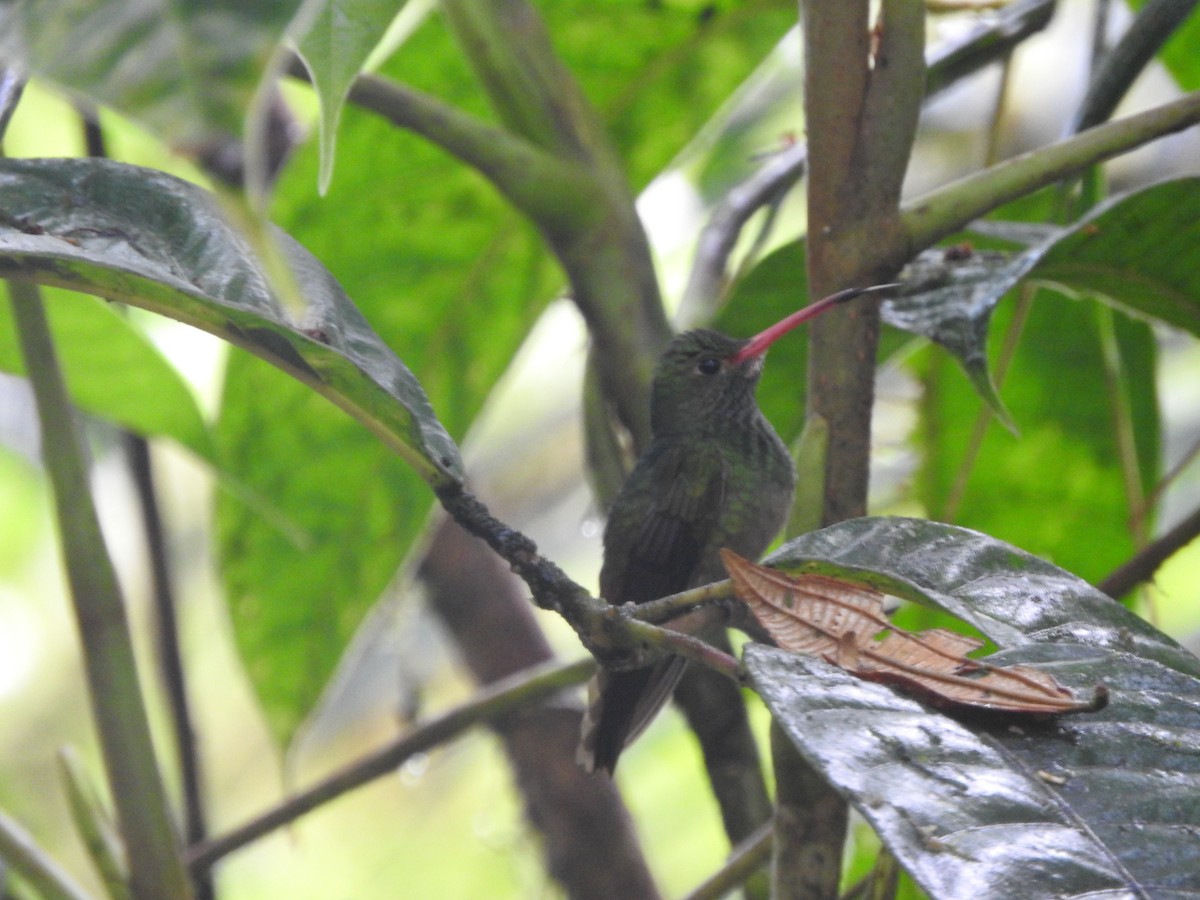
(842, 623)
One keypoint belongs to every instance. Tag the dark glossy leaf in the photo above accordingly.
(995, 807)
(1088, 805)
(154, 241)
(1012, 597)
(186, 68)
(949, 299)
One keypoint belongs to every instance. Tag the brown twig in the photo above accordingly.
(500, 699)
(1146, 561)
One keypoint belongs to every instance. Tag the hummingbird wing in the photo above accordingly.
(657, 534)
(662, 522)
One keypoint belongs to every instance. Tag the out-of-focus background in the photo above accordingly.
(449, 824)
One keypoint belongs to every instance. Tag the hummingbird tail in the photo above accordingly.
(620, 706)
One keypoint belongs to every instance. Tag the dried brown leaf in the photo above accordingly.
(841, 622)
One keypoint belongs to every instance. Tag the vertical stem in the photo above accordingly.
(170, 657)
(842, 342)
(862, 105)
(155, 865)
(862, 93)
(810, 815)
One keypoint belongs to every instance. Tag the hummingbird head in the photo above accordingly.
(701, 382)
(706, 380)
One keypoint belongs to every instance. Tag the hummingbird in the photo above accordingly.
(714, 475)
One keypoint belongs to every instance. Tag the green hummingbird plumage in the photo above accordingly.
(714, 475)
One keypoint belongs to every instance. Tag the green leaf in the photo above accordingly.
(635, 59)
(993, 806)
(1090, 805)
(334, 43)
(188, 69)
(1137, 250)
(113, 371)
(300, 576)
(148, 239)
(1066, 457)
(453, 279)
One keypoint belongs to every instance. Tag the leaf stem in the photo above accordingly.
(156, 869)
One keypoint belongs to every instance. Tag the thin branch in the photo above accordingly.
(551, 587)
(170, 655)
(992, 37)
(945, 210)
(94, 824)
(156, 870)
(667, 608)
(685, 645)
(708, 277)
(499, 699)
(166, 622)
(21, 852)
(747, 858)
(1146, 561)
(12, 87)
(1120, 67)
(1188, 457)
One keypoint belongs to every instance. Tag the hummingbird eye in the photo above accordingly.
(709, 365)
